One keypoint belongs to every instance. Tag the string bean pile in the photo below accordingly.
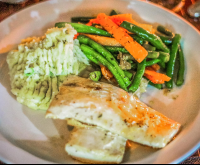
(122, 47)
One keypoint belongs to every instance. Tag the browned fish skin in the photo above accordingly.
(113, 109)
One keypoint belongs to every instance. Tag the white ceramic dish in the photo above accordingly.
(26, 137)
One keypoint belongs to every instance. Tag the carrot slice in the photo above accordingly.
(155, 67)
(76, 35)
(106, 72)
(155, 77)
(106, 41)
(93, 21)
(120, 34)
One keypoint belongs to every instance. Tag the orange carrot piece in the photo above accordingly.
(106, 72)
(93, 21)
(106, 41)
(120, 34)
(76, 35)
(155, 77)
(155, 67)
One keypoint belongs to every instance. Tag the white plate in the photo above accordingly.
(26, 137)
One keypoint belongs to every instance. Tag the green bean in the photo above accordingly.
(166, 39)
(158, 86)
(165, 31)
(153, 54)
(162, 64)
(103, 51)
(92, 58)
(90, 51)
(181, 70)
(152, 62)
(164, 57)
(171, 63)
(95, 76)
(152, 38)
(128, 74)
(137, 39)
(149, 47)
(138, 76)
(81, 19)
(81, 28)
(115, 49)
(113, 12)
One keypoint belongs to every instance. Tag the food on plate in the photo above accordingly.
(148, 47)
(117, 57)
(112, 109)
(95, 145)
(39, 66)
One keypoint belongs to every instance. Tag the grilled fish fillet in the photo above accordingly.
(112, 109)
(95, 145)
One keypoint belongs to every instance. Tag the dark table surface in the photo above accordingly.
(8, 9)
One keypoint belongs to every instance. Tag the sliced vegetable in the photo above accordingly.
(103, 51)
(165, 31)
(106, 73)
(155, 77)
(181, 70)
(148, 47)
(102, 61)
(75, 36)
(128, 74)
(134, 48)
(155, 67)
(95, 76)
(164, 56)
(105, 41)
(80, 28)
(153, 54)
(171, 63)
(152, 38)
(81, 19)
(138, 76)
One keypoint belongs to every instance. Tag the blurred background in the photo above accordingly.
(8, 7)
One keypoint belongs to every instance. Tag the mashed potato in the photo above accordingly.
(39, 66)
